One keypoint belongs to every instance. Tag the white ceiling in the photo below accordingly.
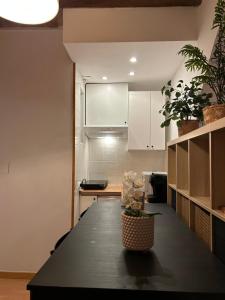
(157, 62)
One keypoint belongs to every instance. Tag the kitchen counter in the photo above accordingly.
(110, 190)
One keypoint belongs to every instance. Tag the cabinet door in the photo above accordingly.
(157, 134)
(86, 202)
(106, 104)
(139, 121)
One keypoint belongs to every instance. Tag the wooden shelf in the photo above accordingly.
(214, 126)
(218, 213)
(183, 192)
(172, 186)
(202, 201)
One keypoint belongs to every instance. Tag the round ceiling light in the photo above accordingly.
(133, 59)
(31, 12)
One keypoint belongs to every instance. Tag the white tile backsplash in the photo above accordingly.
(109, 159)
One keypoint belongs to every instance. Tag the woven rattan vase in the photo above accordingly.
(137, 232)
(213, 113)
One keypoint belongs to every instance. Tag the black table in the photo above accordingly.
(92, 261)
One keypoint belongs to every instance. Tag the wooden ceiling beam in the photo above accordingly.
(127, 3)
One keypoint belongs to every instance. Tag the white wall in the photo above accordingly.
(181, 73)
(109, 159)
(205, 41)
(36, 146)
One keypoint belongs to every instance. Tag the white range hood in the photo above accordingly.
(103, 131)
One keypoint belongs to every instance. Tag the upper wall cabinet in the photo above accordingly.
(144, 131)
(107, 104)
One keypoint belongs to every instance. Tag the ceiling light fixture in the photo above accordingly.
(30, 12)
(104, 78)
(133, 59)
(131, 73)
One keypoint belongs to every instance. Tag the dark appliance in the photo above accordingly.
(93, 184)
(159, 186)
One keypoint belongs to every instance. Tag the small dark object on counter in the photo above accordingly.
(93, 184)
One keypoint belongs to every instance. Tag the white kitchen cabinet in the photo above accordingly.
(106, 104)
(157, 134)
(86, 202)
(139, 120)
(144, 131)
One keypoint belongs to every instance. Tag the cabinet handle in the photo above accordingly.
(152, 146)
(125, 122)
(147, 146)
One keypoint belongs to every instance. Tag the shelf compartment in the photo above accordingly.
(171, 197)
(199, 160)
(200, 223)
(172, 172)
(218, 238)
(183, 208)
(220, 214)
(218, 169)
(182, 166)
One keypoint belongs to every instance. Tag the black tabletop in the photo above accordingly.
(93, 260)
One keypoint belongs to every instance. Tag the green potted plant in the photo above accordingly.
(184, 105)
(212, 72)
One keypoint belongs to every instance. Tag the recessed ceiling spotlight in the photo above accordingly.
(133, 59)
(131, 73)
(104, 78)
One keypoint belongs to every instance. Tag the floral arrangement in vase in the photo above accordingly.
(137, 223)
(133, 188)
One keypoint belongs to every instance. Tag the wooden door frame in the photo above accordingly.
(73, 144)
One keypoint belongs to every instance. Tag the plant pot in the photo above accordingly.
(213, 113)
(137, 232)
(187, 126)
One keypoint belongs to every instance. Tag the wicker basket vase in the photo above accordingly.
(187, 126)
(213, 113)
(137, 232)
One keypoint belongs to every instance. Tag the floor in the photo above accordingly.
(13, 289)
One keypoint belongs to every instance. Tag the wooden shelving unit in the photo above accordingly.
(196, 173)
